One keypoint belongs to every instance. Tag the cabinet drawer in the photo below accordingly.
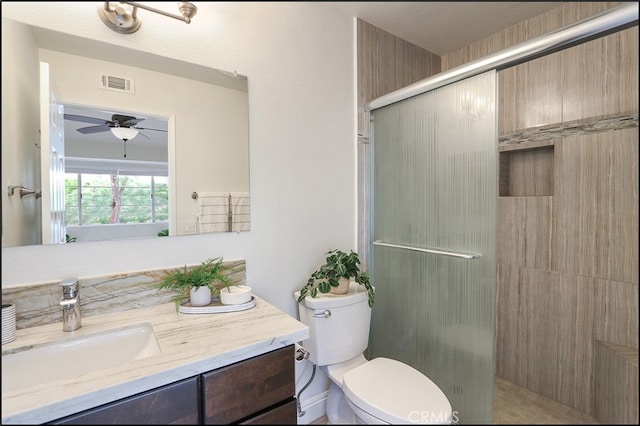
(176, 403)
(239, 390)
(285, 414)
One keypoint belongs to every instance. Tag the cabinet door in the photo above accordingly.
(176, 403)
(239, 390)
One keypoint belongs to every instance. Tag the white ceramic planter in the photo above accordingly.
(235, 295)
(200, 296)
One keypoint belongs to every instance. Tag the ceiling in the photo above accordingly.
(442, 27)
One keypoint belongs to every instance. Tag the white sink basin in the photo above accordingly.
(73, 356)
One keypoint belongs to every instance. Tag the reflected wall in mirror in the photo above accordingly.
(206, 113)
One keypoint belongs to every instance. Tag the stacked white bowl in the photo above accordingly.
(235, 294)
(8, 323)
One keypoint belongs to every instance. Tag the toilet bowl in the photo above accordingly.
(384, 391)
(376, 391)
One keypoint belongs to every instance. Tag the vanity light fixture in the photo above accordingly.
(125, 20)
(124, 133)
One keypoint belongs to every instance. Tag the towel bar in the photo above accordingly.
(429, 250)
(24, 191)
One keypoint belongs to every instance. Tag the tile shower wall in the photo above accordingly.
(571, 249)
(39, 304)
(567, 314)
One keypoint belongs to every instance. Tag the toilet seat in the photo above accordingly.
(396, 393)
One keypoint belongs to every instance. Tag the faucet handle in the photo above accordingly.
(69, 287)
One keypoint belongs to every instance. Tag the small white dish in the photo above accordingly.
(235, 295)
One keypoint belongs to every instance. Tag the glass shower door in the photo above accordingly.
(433, 252)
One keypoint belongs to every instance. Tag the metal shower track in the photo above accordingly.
(607, 22)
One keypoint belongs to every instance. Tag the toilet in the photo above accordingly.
(376, 391)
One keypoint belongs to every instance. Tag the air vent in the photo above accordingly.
(115, 83)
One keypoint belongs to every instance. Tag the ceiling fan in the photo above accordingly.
(124, 127)
(102, 125)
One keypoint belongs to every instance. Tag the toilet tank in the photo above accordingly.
(340, 334)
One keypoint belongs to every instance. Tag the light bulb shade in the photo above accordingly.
(124, 133)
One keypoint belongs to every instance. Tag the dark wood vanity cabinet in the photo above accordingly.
(259, 390)
(176, 403)
(252, 391)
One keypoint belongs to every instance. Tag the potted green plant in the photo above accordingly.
(197, 283)
(334, 276)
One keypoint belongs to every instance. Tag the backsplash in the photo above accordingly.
(39, 304)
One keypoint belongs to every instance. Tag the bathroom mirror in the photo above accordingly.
(204, 110)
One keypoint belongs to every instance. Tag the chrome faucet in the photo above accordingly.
(70, 302)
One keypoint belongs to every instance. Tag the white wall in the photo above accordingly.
(299, 60)
(19, 97)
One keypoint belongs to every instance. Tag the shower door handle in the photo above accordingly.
(441, 252)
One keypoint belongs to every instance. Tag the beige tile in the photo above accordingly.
(601, 76)
(577, 10)
(537, 333)
(530, 94)
(533, 408)
(575, 315)
(537, 232)
(616, 311)
(507, 320)
(592, 171)
(616, 383)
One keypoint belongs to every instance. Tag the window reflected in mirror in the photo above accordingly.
(109, 194)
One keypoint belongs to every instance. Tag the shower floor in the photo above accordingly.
(513, 404)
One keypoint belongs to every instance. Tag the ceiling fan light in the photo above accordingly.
(124, 133)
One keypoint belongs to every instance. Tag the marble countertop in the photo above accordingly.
(190, 344)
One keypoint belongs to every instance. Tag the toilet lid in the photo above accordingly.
(396, 393)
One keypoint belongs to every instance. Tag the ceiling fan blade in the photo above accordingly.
(147, 128)
(142, 134)
(93, 129)
(84, 119)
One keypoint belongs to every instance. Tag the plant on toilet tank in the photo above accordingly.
(335, 274)
(197, 283)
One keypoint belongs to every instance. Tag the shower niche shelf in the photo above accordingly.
(526, 169)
